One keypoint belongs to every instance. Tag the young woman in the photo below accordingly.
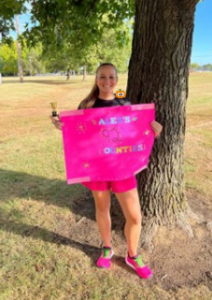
(102, 95)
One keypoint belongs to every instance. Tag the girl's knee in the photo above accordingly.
(102, 210)
(135, 219)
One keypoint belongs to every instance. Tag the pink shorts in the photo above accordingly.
(119, 186)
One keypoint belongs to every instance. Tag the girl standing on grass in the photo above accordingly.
(125, 190)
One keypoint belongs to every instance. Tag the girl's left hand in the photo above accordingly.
(157, 128)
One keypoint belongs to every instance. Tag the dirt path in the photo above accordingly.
(177, 260)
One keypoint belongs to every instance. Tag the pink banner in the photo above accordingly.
(107, 144)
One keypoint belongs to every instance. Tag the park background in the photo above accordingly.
(49, 240)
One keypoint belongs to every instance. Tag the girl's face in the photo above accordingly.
(106, 79)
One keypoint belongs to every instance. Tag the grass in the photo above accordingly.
(38, 258)
(198, 152)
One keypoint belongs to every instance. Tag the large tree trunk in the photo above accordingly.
(158, 72)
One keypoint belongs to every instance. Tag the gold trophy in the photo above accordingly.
(54, 109)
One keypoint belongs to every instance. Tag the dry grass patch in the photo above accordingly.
(49, 240)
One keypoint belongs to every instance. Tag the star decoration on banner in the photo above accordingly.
(82, 128)
(86, 165)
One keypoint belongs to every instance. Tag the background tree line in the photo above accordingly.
(37, 61)
(196, 67)
(41, 58)
(32, 60)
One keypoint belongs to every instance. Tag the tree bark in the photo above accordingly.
(68, 74)
(84, 73)
(158, 72)
(20, 68)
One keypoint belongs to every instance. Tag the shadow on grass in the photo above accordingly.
(76, 198)
(56, 192)
(51, 191)
(37, 233)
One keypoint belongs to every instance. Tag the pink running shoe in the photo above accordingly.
(137, 264)
(104, 259)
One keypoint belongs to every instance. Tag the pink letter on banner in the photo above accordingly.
(107, 144)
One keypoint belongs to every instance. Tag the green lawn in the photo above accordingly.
(41, 258)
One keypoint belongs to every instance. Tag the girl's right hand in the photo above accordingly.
(57, 123)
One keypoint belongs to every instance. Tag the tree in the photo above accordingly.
(68, 57)
(8, 9)
(79, 21)
(32, 59)
(63, 60)
(20, 68)
(110, 49)
(158, 72)
(9, 57)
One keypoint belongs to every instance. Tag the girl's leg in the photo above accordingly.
(130, 205)
(129, 202)
(102, 204)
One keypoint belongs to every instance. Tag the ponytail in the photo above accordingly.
(89, 101)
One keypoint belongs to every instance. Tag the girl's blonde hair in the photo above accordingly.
(89, 101)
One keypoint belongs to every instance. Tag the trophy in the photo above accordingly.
(54, 109)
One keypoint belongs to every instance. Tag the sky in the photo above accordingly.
(202, 36)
